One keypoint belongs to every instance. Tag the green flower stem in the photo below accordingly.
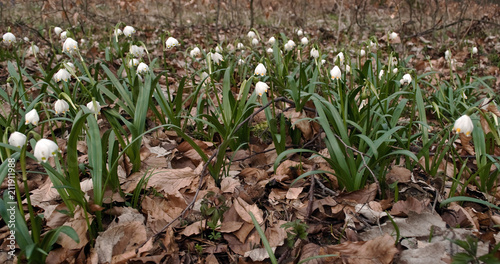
(35, 232)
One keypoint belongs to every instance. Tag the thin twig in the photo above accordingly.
(311, 195)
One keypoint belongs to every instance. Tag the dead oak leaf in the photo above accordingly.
(243, 209)
(171, 180)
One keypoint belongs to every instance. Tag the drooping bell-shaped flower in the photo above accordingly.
(117, 32)
(32, 117)
(463, 125)
(269, 50)
(142, 68)
(289, 45)
(44, 149)
(218, 49)
(251, 34)
(17, 139)
(474, 50)
(94, 107)
(9, 38)
(406, 79)
(255, 41)
(300, 32)
(304, 41)
(393, 35)
(34, 49)
(314, 53)
(335, 73)
(216, 57)
(362, 53)
(61, 107)
(381, 74)
(136, 51)
(63, 75)
(171, 42)
(58, 31)
(195, 52)
(240, 46)
(128, 31)
(63, 35)
(133, 63)
(271, 40)
(340, 57)
(241, 62)
(447, 55)
(260, 70)
(261, 88)
(70, 45)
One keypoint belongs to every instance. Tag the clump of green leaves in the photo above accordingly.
(470, 254)
(296, 230)
(212, 208)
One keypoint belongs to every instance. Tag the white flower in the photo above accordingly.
(133, 62)
(335, 73)
(393, 35)
(255, 41)
(205, 78)
(463, 125)
(32, 117)
(395, 70)
(58, 31)
(94, 107)
(241, 62)
(289, 45)
(218, 49)
(128, 31)
(62, 74)
(406, 79)
(240, 46)
(372, 45)
(17, 139)
(9, 38)
(251, 34)
(260, 70)
(70, 65)
(142, 68)
(33, 50)
(26, 39)
(474, 50)
(314, 53)
(271, 40)
(261, 88)
(323, 62)
(136, 51)
(381, 74)
(300, 32)
(347, 68)
(70, 45)
(61, 106)
(270, 50)
(64, 35)
(447, 55)
(195, 52)
(216, 57)
(118, 32)
(171, 42)
(362, 53)
(44, 149)
(340, 57)
(304, 41)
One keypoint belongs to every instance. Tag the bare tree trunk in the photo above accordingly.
(251, 14)
(217, 21)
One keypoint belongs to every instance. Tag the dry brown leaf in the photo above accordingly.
(171, 180)
(230, 226)
(398, 174)
(243, 209)
(119, 239)
(194, 228)
(362, 196)
(228, 184)
(211, 259)
(465, 140)
(253, 175)
(258, 254)
(293, 193)
(297, 120)
(79, 224)
(157, 216)
(276, 235)
(402, 208)
(378, 250)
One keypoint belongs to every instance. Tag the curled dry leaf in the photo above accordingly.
(378, 250)
(243, 209)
